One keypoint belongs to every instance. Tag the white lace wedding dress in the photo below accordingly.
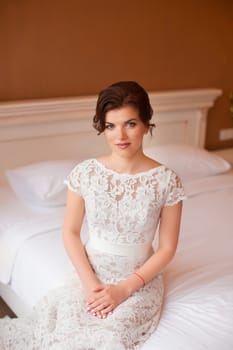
(122, 211)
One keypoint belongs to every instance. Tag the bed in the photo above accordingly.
(40, 141)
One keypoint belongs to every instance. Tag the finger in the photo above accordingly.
(95, 299)
(98, 314)
(105, 312)
(95, 303)
(100, 307)
(108, 310)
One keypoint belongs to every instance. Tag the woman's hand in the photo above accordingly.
(104, 299)
(90, 295)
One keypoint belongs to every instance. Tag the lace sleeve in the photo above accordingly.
(73, 180)
(175, 191)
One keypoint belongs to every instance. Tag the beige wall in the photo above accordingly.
(53, 48)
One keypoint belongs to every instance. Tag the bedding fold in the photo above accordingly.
(13, 238)
(208, 184)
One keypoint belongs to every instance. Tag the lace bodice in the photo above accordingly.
(124, 208)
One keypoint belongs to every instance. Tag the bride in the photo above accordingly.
(114, 300)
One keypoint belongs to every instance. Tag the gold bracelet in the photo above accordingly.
(141, 278)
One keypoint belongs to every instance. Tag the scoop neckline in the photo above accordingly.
(127, 174)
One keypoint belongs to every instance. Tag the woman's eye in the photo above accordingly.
(131, 124)
(109, 126)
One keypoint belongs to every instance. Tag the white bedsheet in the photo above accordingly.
(19, 223)
(210, 184)
(198, 305)
(12, 239)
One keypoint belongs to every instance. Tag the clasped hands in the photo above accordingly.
(102, 300)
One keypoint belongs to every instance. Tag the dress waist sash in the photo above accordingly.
(134, 250)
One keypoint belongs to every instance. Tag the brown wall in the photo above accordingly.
(53, 48)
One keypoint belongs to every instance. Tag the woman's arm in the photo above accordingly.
(169, 229)
(74, 214)
(168, 238)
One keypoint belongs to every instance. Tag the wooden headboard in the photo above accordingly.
(61, 128)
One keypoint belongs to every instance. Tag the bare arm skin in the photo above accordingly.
(74, 215)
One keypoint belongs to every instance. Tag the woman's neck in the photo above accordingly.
(130, 165)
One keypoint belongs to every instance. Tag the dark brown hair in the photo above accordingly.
(119, 95)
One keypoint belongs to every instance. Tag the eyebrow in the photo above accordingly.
(127, 121)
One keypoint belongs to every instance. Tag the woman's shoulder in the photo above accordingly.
(154, 164)
(151, 163)
(84, 164)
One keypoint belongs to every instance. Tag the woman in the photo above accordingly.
(114, 301)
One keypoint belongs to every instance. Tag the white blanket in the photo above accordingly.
(209, 184)
(20, 223)
(14, 236)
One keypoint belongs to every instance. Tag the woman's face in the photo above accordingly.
(124, 131)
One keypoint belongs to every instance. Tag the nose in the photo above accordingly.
(121, 134)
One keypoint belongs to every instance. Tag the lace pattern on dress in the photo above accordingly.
(120, 209)
(115, 202)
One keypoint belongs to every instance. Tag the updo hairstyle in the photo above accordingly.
(119, 95)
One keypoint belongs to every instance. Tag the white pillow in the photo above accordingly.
(189, 162)
(41, 184)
